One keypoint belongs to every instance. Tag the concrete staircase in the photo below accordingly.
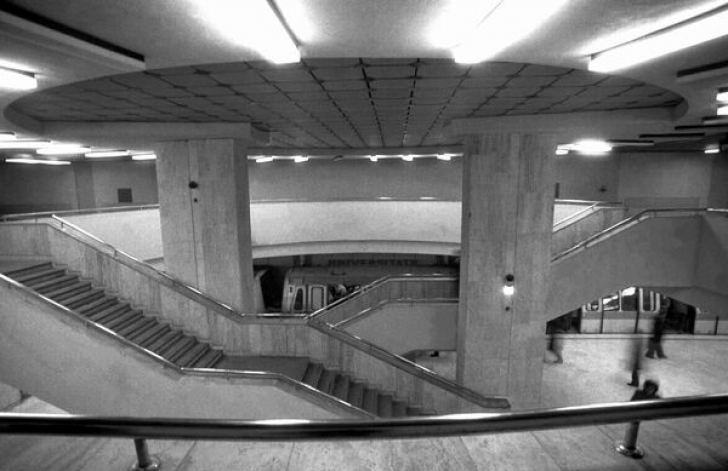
(107, 310)
(97, 305)
(358, 393)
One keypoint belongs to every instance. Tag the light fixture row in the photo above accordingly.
(373, 158)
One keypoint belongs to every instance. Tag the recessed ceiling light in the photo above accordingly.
(17, 80)
(682, 35)
(561, 151)
(587, 146)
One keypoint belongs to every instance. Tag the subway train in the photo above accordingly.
(307, 289)
(632, 310)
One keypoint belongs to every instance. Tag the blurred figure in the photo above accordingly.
(648, 391)
(634, 359)
(555, 345)
(655, 343)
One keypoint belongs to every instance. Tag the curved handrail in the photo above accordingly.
(300, 430)
(207, 372)
(163, 278)
(491, 402)
(637, 218)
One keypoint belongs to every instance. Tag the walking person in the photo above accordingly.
(634, 359)
(655, 343)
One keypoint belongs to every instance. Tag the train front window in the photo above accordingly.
(629, 299)
(611, 302)
(316, 297)
(592, 306)
(298, 300)
(649, 303)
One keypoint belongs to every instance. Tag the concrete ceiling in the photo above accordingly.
(370, 77)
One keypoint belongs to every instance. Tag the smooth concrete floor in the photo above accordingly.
(586, 376)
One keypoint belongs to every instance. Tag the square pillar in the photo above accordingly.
(205, 217)
(507, 223)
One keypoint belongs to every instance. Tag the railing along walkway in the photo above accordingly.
(296, 430)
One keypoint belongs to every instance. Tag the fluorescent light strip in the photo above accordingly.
(508, 23)
(723, 110)
(254, 24)
(70, 149)
(712, 150)
(263, 159)
(107, 153)
(300, 158)
(144, 157)
(37, 162)
(7, 136)
(674, 38)
(722, 96)
(17, 80)
(20, 144)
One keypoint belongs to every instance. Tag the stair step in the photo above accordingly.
(313, 374)
(141, 324)
(326, 383)
(180, 348)
(35, 278)
(208, 360)
(119, 321)
(109, 313)
(100, 304)
(83, 298)
(399, 408)
(384, 406)
(192, 354)
(356, 394)
(341, 387)
(31, 269)
(47, 288)
(162, 342)
(370, 401)
(413, 411)
(146, 338)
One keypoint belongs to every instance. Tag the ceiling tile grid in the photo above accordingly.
(352, 103)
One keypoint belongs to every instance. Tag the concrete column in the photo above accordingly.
(205, 217)
(508, 198)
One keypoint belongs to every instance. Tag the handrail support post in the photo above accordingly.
(629, 447)
(144, 461)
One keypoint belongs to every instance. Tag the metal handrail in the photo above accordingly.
(637, 218)
(581, 213)
(76, 212)
(165, 363)
(163, 278)
(301, 430)
(410, 367)
(371, 310)
(377, 283)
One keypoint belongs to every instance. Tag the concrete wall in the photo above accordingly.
(665, 180)
(9, 396)
(718, 194)
(587, 177)
(108, 177)
(404, 327)
(33, 188)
